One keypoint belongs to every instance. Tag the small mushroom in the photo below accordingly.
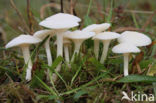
(41, 35)
(64, 16)
(136, 38)
(126, 49)
(23, 41)
(97, 28)
(60, 22)
(78, 37)
(106, 38)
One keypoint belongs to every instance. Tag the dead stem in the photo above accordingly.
(61, 2)
(121, 29)
(20, 15)
(42, 10)
(30, 17)
(149, 20)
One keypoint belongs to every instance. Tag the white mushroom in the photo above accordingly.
(78, 37)
(23, 41)
(64, 16)
(136, 38)
(97, 28)
(41, 35)
(106, 38)
(60, 22)
(126, 49)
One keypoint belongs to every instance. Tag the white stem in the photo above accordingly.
(49, 57)
(77, 44)
(96, 48)
(59, 44)
(27, 59)
(126, 60)
(59, 53)
(105, 51)
(48, 52)
(66, 51)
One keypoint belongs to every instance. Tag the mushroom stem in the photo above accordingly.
(27, 59)
(96, 48)
(77, 44)
(59, 53)
(49, 57)
(126, 55)
(59, 44)
(66, 51)
(48, 52)
(105, 50)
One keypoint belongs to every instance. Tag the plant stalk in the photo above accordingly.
(126, 60)
(96, 48)
(27, 59)
(105, 50)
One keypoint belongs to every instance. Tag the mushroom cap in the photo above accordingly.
(97, 28)
(136, 38)
(60, 21)
(79, 35)
(23, 40)
(65, 16)
(106, 36)
(43, 33)
(125, 48)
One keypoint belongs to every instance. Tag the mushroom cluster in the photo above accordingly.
(58, 26)
(129, 41)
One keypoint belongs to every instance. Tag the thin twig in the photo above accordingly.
(30, 19)
(54, 5)
(149, 20)
(121, 29)
(139, 11)
(61, 6)
(20, 15)
(71, 7)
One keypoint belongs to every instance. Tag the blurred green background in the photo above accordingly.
(123, 12)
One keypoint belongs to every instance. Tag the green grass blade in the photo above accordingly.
(134, 20)
(110, 13)
(46, 86)
(76, 74)
(85, 85)
(137, 78)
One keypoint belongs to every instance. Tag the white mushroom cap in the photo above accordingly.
(65, 16)
(97, 27)
(43, 33)
(106, 36)
(60, 21)
(136, 38)
(79, 35)
(125, 48)
(23, 40)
